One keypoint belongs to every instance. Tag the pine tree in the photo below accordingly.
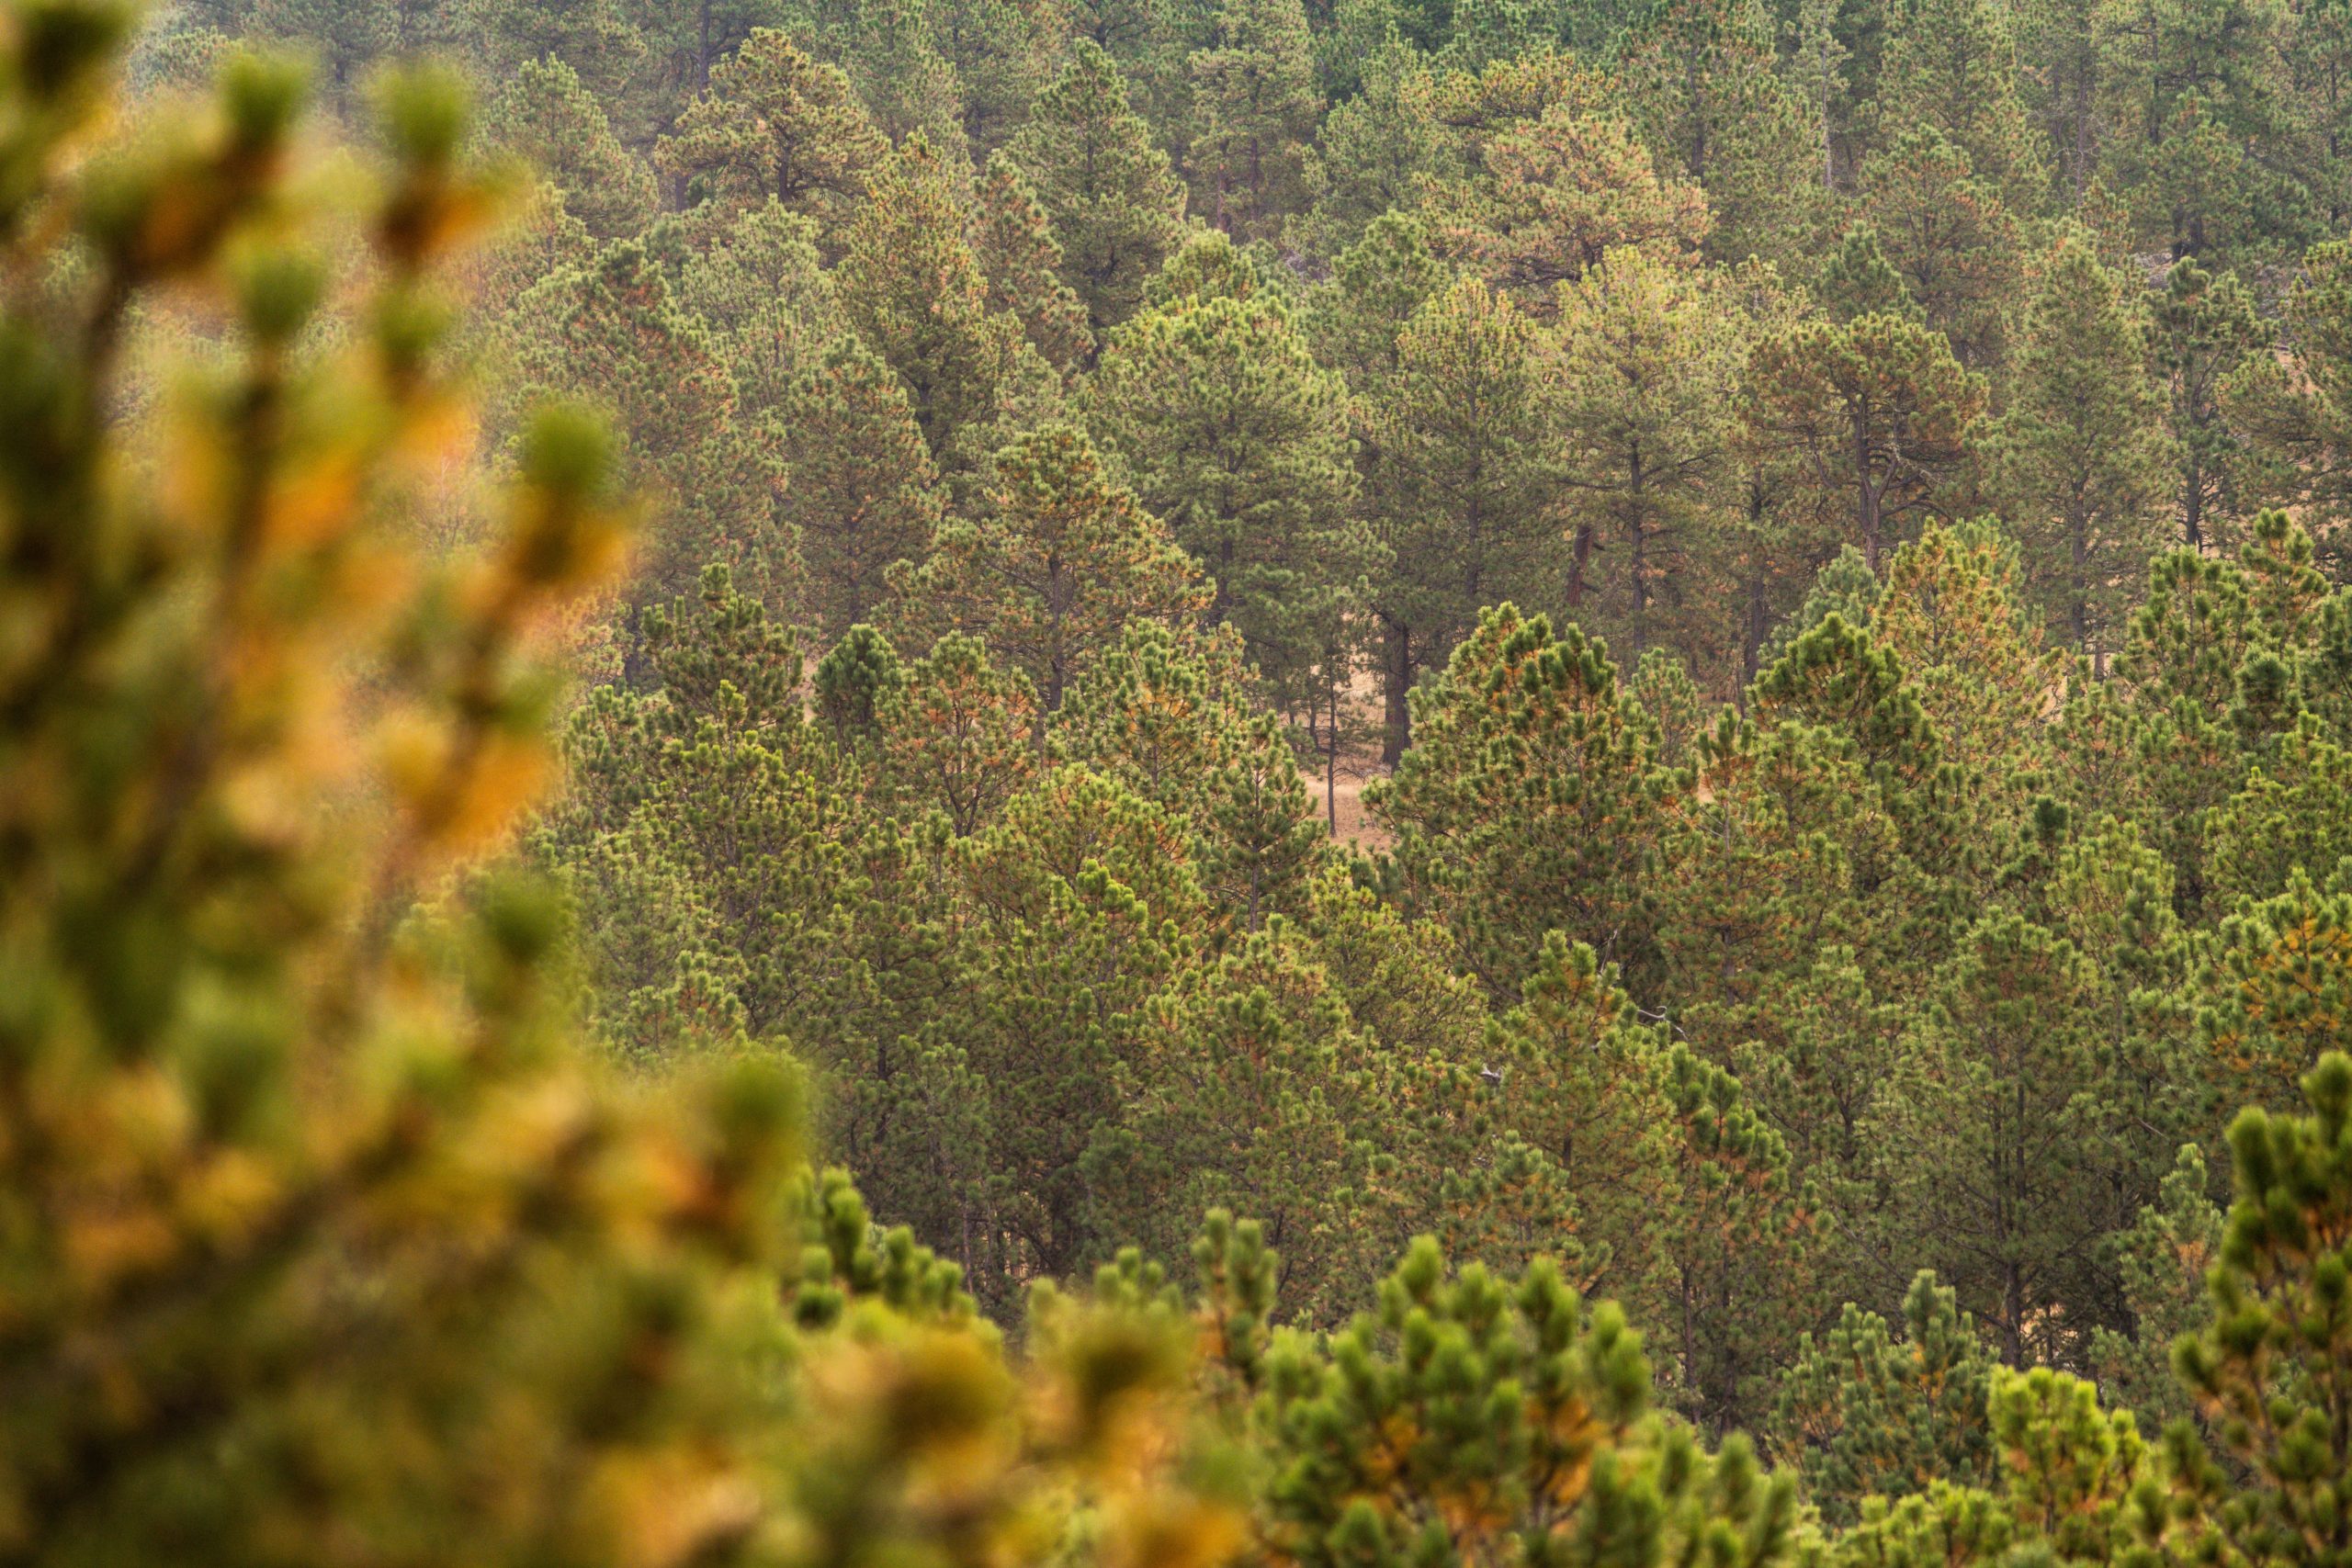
(1116, 205)
(2072, 1469)
(2205, 327)
(757, 280)
(1376, 285)
(1742, 1240)
(2190, 87)
(1233, 434)
(773, 122)
(1254, 1087)
(1469, 1413)
(1053, 570)
(1861, 1414)
(2270, 997)
(1014, 241)
(2163, 1258)
(613, 331)
(911, 287)
(1856, 279)
(1174, 715)
(1876, 408)
(1002, 52)
(1644, 361)
(1465, 469)
(598, 40)
(1953, 615)
(1710, 100)
(1951, 238)
(1253, 92)
(2079, 456)
(1527, 803)
(2268, 1371)
(863, 493)
(545, 114)
(2294, 409)
(1557, 194)
(959, 735)
(285, 1233)
(2001, 1076)
(909, 88)
(1080, 910)
(2288, 814)
(1373, 151)
(1956, 68)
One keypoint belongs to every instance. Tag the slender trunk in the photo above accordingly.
(1396, 679)
(1332, 768)
(1639, 541)
(1579, 557)
(2079, 543)
(1867, 497)
(1752, 634)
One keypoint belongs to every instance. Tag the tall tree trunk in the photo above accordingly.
(1396, 679)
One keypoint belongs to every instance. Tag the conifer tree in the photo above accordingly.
(1173, 714)
(909, 88)
(1956, 68)
(1645, 360)
(1952, 240)
(1253, 97)
(1374, 151)
(1376, 285)
(1014, 241)
(1861, 1414)
(913, 288)
(1952, 613)
(1527, 801)
(1876, 410)
(1465, 474)
(773, 122)
(2162, 1259)
(959, 735)
(1002, 52)
(1233, 434)
(1555, 196)
(2204, 327)
(1253, 1086)
(2294, 409)
(862, 492)
(613, 331)
(1116, 205)
(1856, 279)
(757, 280)
(2079, 456)
(2002, 1077)
(1053, 570)
(1710, 100)
(544, 114)
(1081, 909)
(599, 41)
(310, 1216)
(2268, 1371)
(1469, 1413)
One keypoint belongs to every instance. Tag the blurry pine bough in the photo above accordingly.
(321, 1242)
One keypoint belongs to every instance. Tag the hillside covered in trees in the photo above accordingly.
(1131, 783)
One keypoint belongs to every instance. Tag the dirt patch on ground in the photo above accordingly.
(1358, 767)
(1353, 827)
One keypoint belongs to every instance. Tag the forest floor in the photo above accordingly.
(1358, 766)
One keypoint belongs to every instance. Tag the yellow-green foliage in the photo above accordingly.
(318, 1241)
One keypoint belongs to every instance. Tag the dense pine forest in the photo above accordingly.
(1151, 783)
